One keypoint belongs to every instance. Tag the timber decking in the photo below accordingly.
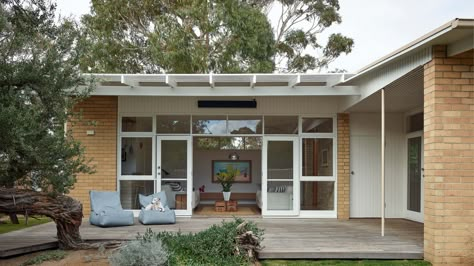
(284, 238)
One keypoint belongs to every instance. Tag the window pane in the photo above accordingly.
(280, 196)
(317, 157)
(415, 122)
(317, 195)
(245, 125)
(175, 194)
(281, 125)
(280, 160)
(136, 156)
(317, 125)
(174, 158)
(209, 124)
(227, 143)
(129, 191)
(171, 124)
(137, 124)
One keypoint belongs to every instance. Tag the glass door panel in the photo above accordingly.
(280, 160)
(415, 178)
(174, 172)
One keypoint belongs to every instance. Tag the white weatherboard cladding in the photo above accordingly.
(365, 162)
(287, 105)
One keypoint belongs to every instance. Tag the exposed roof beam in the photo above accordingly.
(170, 82)
(129, 81)
(211, 80)
(295, 80)
(254, 80)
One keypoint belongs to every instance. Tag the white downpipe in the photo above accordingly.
(383, 162)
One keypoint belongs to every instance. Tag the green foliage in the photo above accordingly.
(215, 246)
(227, 177)
(6, 226)
(345, 262)
(154, 36)
(55, 255)
(38, 75)
(139, 253)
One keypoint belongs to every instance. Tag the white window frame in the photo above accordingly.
(333, 178)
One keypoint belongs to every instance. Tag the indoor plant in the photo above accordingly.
(226, 178)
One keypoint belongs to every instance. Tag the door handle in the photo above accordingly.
(352, 172)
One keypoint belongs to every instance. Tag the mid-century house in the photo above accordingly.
(307, 145)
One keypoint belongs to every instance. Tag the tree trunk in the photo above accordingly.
(65, 211)
(14, 218)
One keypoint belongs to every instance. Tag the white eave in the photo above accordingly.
(222, 85)
(457, 34)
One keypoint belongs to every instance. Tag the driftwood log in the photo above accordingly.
(247, 242)
(65, 211)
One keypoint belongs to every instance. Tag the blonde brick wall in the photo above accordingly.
(101, 148)
(449, 158)
(343, 166)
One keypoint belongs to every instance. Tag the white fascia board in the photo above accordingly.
(460, 46)
(226, 91)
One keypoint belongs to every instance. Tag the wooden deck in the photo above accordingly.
(284, 238)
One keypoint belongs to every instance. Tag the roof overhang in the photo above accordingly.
(222, 85)
(457, 34)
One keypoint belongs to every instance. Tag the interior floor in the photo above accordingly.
(208, 210)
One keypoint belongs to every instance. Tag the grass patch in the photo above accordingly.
(345, 262)
(6, 225)
(46, 256)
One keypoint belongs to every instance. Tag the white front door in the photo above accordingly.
(280, 176)
(365, 177)
(415, 196)
(174, 171)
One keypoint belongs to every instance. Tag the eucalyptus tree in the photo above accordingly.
(154, 36)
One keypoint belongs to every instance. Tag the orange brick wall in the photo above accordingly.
(449, 158)
(101, 147)
(343, 166)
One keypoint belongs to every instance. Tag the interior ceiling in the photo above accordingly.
(402, 95)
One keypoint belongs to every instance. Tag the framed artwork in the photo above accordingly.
(324, 158)
(244, 166)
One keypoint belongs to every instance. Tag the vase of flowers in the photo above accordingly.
(226, 178)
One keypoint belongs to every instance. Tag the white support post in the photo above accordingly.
(383, 162)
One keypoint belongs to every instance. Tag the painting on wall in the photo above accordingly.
(244, 166)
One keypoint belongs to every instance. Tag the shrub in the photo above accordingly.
(46, 256)
(138, 252)
(217, 245)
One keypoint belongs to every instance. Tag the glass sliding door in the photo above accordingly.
(280, 176)
(174, 173)
(415, 177)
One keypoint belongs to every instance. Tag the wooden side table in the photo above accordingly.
(181, 201)
(231, 206)
(220, 206)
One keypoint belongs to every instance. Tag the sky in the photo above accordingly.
(378, 27)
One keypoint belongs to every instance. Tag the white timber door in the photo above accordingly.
(365, 177)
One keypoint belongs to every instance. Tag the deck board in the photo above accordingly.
(284, 238)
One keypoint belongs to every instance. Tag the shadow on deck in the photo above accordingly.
(284, 238)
